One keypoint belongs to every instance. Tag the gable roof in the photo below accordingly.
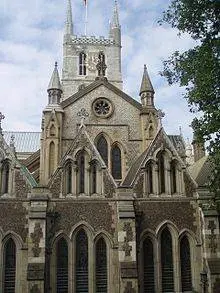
(139, 163)
(201, 171)
(94, 85)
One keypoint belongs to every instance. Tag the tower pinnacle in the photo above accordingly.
(115, 28)
(54, 88)
(115, 19)
(147, 90)
(69, 19)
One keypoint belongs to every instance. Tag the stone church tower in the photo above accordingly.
(105, 201)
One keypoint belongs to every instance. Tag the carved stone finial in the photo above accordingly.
(83, 114)
(101, 66)
(2, 117)
(160, 115)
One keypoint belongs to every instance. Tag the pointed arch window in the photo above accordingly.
(93, 176)
(102, 147)
(81, 256)
(82, 63)
(167, 261)
(9, 266)
(5, 177)
(81, 171)
(62, 266)
(149, 170)
(69, 177)
(102, 62)
(51, 158)
(116, 162)
(161, 172)
(173, 185)
(185, 260)
(101, 266)
(148, 257)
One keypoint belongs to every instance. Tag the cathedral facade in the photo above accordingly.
(105, 201)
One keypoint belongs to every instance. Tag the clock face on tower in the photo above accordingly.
(102, 107)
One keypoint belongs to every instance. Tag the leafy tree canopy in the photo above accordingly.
(198, 69)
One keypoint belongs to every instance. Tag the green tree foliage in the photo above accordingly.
(198, 69)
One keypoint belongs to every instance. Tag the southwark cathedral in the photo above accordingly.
(103, 200)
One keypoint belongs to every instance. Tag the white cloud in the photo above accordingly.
(31, 40)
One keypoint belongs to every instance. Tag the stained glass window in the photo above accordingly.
(173, 177)
(149, 170)
(161, 172)
(102, 147)
(93, 177)
(167, 261)
(148, 256)
(9, 266)
(81, 257)
(101, 267)
(186, 277)
(116, 162)
(62, 266)
(5, 177)
(82, 63)
(69, 177)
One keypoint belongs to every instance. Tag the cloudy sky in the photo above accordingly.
(31, 41)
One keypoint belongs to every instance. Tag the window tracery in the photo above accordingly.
(82, 63)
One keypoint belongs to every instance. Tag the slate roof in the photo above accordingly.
(27, 142)
(201, 171)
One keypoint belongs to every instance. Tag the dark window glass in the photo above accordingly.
(102, 147)
(149, 170)
(101, 267)
(82, 63)
(173, 176)
(81, 172)
(5, 177)
(149, 286)
(186, 277)
(161, 172)
(81, 262)
(51, 158)
(93, 177)
(167, 261)
(9, 266)
(62, 266)
(69, 177)
(116, 162)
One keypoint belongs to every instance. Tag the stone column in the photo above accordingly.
(127, 247)
(37, 240)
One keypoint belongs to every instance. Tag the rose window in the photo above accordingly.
(102, 107)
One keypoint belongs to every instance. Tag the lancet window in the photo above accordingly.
(161, 172)
(116, 162)
(9, 267)
(149, 170)
(82, 63)
(93, 177)
(185, 260)
(81, 172)
(51, 158)
(101, 266)
(62, 266)
(173, 178)
(148, 266)
(69, 177)
(4, 180)
(167, 261)
(102, 147)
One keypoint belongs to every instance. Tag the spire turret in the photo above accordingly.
(115, 28)
(69, 19)
(147, 90)
(54, 88)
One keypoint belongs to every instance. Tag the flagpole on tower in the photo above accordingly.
(86, 16)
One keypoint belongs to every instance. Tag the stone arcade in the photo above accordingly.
(103, 200)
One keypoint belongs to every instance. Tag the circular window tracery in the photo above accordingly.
(102, 107)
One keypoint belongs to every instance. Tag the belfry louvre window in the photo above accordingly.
(148, 256)
(62, 266)
(186, 277)
(9, 266)
(81, 265)
(116, 162)
(102, 147)
(167, 261)
(82, 63)
(101, 267)
(4, 180)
